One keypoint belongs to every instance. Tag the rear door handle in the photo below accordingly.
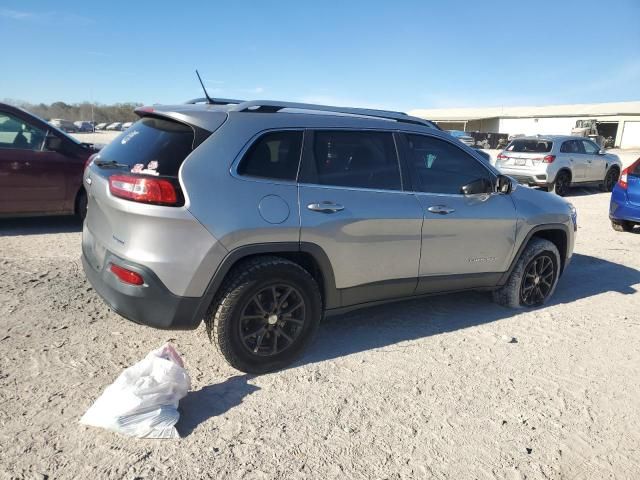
(441, 209)
(325, 207)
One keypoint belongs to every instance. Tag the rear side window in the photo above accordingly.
(530, 145)
(156, 144)
(442, 167)
(571, 146)
(275, 155)
(356, 159)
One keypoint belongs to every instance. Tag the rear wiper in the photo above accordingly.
(109, 164)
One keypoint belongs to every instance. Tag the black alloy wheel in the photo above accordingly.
(538, 280)
(272, 320)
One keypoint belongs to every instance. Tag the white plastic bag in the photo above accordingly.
(143, 401)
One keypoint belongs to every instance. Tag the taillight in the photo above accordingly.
(502, 156)
(548, 158)
(623, 181)
(126, 276)
(143, 189)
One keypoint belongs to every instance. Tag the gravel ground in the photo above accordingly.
(450, 387)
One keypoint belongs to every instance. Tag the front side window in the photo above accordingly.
(590, 147)
(15, 133)
(442, 167)
(358, 159)
(275, 155)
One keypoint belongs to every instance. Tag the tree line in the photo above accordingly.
(87, 111)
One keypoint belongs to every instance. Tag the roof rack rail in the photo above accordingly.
(269, 106)
(214, 101)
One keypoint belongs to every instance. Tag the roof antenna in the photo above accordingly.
(209, 99)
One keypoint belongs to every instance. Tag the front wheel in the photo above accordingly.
(610, 180)
(534, 278)
(266, 314)
(621, 225)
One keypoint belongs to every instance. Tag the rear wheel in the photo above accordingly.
(610, 180)
(621, 225)
(534, 278)
(561, 184)
(81, 205)
(266, 314)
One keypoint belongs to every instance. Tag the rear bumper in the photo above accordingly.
(150, 304)
(621, 209)
(537, 179)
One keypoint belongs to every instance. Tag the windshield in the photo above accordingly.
(151, 145)
(530, 145)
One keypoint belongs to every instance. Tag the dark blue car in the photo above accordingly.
(624, 210)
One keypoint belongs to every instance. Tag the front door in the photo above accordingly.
(596, 164)
(32, 180)
(353, 206)
(467, 240)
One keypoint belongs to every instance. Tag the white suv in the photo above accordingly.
(558, 162)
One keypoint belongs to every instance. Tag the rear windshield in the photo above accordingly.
(636, 171)
(533, 146)
(152, 144)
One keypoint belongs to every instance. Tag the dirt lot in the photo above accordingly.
(450, 387)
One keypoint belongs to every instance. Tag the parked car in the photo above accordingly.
(101, 126)
(464, 137)
(84, 126)
(64, 125)
(117, 126)
(557, 163)
(126, 125)
(40, 167)
(185, 225)
(624, 209)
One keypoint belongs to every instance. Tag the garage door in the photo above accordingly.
(630, 135)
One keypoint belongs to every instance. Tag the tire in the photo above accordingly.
(81, 205)
(561, 184)
(610, 180)
(253, 324)
(621, 225)
(517, 292)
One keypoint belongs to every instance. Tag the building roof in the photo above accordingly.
(577, 110)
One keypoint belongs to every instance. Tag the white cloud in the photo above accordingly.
(15, 14)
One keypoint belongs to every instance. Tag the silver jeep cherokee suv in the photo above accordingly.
(557, 162)
(259, 217)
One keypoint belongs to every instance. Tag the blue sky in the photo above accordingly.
(399, 55)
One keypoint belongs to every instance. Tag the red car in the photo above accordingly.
(41, 167)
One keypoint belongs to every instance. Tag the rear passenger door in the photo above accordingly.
(466, 239)
(573, 152)
(352, 204)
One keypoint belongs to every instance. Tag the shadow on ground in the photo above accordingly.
(39, 225)
(383, 326)
(213, 400)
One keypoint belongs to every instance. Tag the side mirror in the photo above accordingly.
(503, 184)
(53, 143)
(481, 185)
(602, 151)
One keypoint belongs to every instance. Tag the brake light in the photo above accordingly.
(623, 181)
(143, 189)
(126, 276)
(502, 156)
(548, 158)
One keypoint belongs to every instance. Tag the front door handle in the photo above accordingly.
(325, 207)
(441, 209)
